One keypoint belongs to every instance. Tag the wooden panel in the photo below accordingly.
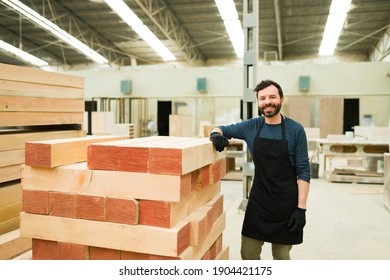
(137, 238)
(36, 76)
(9, 225)
(10, 192)
(12, 244)
(331, 116)
(13, 140)
(78, 179)
(39, 118)
(10, 173)
(180, 125)
(53, 153)
(299, 109)
(11, 157)
(40, 104)
(14, 88)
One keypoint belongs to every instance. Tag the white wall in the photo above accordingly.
(360, 78)
(368, 81)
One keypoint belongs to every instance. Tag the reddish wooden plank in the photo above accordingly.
(128, 255)
(36, 202)
(71, 251)
(157, 155)
(123, 211)
(97, 253)
(62, 204)
(44, 249)
(91, 207)
(58, 152)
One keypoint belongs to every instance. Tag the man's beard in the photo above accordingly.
(276, 110)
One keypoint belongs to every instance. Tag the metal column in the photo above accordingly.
(251, 54)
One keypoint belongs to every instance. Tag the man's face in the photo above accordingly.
(269, 101)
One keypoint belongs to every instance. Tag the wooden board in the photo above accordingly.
(197, 252)
(16, 139)
(53, 153)
(166, 155)
(78, 179)
(40, 104)
(11, 157)
(37, 76)
(10, 192)
(137, 238)
(181, 125)
(12, 244)
(40, 118)
(331, 116)
(10, 173)
(167, 214)
(16, 88)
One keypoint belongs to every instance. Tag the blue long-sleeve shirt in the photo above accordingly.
(295, 136)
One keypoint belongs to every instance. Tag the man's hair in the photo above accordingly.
(266, 83)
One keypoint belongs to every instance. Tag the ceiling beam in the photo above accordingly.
(164, 19)
(382, 49)
(278, 29)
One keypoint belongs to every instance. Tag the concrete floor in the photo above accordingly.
(345, 221)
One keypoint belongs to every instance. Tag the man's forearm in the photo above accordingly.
(303, 192)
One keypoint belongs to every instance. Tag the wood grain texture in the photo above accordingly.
(77, 178)
(157, 155)
(97, 253)
(69, 251)
(12, 244)
(13, 140)
(36, 202)
(62, 204)
(40, 118)
(37, 76)
(122, 211)
(40, 104)
(19, 88)
(57, 152)
(167, 214)
(135, 238)
(197, 252)
(91, 207)
(44, 249)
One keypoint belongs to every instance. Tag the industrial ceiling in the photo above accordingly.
(193, 30)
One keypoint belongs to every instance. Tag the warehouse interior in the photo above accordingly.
(74, 124)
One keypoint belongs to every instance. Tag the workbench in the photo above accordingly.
(369, 152)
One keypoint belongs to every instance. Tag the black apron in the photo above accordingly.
(274, 193)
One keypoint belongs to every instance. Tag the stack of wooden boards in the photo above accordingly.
(34, 105)
(144, 198)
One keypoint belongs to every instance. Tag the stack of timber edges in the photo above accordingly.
(34, 105)
(150, 198)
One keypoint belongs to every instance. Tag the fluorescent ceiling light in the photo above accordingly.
(229, 15)
(336, 18)
(128, 16)
(55, 30)
(22, 54)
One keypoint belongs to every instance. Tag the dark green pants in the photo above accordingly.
(251, 249)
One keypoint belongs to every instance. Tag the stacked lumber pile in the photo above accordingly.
(34, 105)
(144, 198)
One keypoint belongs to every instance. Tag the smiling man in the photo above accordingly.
(276, 209)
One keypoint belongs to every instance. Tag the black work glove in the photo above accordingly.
(219, 141)
(297, 220)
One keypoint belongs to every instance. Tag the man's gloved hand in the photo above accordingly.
(219, 141)
(297, 220)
